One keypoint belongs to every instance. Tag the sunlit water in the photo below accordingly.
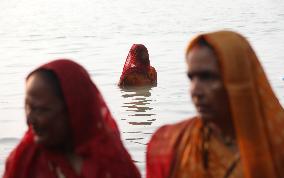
(98, 34)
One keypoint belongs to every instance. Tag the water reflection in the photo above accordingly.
(139, 115)
(138, 105)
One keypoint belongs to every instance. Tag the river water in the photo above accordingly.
(98, 35)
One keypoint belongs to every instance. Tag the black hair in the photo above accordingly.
(201, 42)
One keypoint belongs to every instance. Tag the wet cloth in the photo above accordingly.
(137, 70)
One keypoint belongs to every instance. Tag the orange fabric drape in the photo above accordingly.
(176, 151)
(256, 112)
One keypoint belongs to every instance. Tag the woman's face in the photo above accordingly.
(46, 113)
(206, 86)
(143, 57)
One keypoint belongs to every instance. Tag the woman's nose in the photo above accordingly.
(196, 87)
(30, 117)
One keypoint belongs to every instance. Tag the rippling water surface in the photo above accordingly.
(98, 34)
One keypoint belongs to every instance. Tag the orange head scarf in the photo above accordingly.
(256, 112)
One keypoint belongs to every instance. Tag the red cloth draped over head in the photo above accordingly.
(95, 134)
(137, 61)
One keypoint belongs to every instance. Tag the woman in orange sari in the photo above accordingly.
(137, 70)
(238, 131)
(71, 132)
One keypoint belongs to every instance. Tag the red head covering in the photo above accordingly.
(136, 61)
(95, 133)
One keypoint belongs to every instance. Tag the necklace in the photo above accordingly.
(207, 132)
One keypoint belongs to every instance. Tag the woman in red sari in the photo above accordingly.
(137, 70)
(71, 132)
(238, 129)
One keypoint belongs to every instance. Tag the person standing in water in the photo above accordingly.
(137, 70)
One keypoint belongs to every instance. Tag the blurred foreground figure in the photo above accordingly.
(137, 70)
(71, 131)
(239, 128)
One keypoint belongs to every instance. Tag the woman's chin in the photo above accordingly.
(206, 116)
(38, 139)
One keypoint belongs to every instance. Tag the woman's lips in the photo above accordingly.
(39, 135)
(202, 108)
(37, 131)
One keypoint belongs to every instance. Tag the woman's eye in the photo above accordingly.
(189, 76)
(208, 76)
(42, 109)
(36, 109)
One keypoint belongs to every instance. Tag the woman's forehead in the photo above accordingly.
(38, 85)
(203, 58)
